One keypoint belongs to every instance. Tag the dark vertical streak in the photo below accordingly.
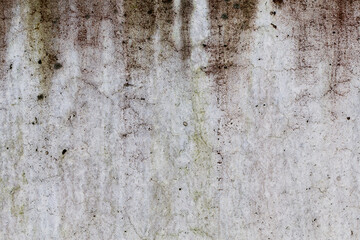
(228, 21)
(139, 27)
(341, 30)
(186, 9)
(328, 33)
(43, 24)
(5, 18)
(165, 17)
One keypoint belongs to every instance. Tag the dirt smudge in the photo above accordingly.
(43, 25)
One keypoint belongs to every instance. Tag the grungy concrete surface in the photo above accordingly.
(179, 119)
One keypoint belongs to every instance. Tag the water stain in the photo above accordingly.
(229, 19)
(139, 27)
(326, 29)
(90, 15)
(186, 9)
(5, 21)
(43, 25)
(165, 17)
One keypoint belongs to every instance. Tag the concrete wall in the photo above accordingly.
(179, 119)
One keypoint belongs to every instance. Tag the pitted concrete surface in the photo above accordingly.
(179, 119)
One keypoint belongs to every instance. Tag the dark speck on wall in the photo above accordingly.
(64, 151)
(40, 97)
(224, 16)
(278, 1)
(57, 66)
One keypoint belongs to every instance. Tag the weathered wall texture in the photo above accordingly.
(179, 119)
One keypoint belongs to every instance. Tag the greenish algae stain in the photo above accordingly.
(200, 138)
(42, 24)
(203, 167)
(16, 209)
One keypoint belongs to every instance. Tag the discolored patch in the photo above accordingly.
(43, 25)
(278, 2)
(90, 15)
(5, 21)
(229, 19)
(186, 9)
(164, 18)
(324, 31)
(139, 27)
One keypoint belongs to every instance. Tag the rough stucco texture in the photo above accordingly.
(179, 119)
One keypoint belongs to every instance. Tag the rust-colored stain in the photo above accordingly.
(228, 20)
(43, 24)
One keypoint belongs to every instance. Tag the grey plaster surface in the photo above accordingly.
(179, 119)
